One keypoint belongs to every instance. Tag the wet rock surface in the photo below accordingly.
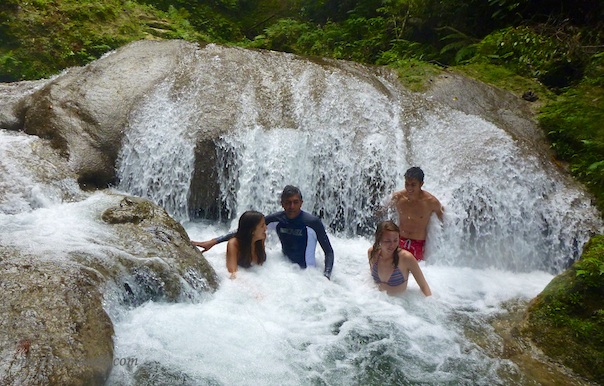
(493, 104)
(166, 266)
(566, 320)
(53, 329)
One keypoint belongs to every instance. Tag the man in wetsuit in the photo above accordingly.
(414, 207)
(298, 232)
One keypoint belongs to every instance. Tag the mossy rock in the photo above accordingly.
(567, 319)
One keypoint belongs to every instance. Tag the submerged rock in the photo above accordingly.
(155, 374)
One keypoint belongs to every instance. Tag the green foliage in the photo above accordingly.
(284, 36)
(228, 21)
(568, 316)
(594, 73)
(574, 124)
(462, 45)
(357, 39)
(403, 50)
(42, 37)
(415, 74)
(551, 56)
(590, 269)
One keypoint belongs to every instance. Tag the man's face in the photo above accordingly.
(413, 186)
(292, 206)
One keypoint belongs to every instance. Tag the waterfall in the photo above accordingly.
(157, 156)
(346, 136)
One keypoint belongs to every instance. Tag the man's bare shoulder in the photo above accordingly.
(400, 195)
(431, 199)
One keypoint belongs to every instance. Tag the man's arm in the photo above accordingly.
(319, 229)
(438, 209)
(207, 245)
(382, 210)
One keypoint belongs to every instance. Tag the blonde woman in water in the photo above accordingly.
(390, 265)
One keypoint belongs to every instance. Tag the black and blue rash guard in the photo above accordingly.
(299, 238)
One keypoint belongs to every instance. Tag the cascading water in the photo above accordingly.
(344, 136)
(158, 153)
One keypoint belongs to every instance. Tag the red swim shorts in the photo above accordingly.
(416, 247)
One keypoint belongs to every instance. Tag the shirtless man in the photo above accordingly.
(414, 207)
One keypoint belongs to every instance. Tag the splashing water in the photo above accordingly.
(29, 177)
(157, 157)
(279, 325)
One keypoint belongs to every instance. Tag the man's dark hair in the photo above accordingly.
(289, 191)
(415, 172)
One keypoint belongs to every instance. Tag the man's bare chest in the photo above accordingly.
(415, 211)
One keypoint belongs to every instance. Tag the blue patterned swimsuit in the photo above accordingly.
(395, 279)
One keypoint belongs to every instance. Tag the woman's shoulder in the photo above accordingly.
(405, 256)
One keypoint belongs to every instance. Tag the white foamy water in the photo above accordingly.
(280, 325)
(29, 179)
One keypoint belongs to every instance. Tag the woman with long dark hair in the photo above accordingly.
(390, 265)
(247, 247)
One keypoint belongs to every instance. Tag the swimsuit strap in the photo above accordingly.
(374, 272)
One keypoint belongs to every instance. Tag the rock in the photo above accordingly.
(55, 326)
(166, 265)
(14, 99)
(84, 110)
(153, 373)
(167, 90)
(493, 104)
(567, 319)
(53, 329)
(33, 175)
(529, 96)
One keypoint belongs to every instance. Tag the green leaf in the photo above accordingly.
(595, 165)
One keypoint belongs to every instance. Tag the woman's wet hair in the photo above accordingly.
(382, 227)
(415, 172)
(289, 191)
(247, 224)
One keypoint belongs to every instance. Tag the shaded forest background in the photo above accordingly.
(554, 48)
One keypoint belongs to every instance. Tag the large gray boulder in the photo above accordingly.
(500, 107)
(84, 110)
(90, 114)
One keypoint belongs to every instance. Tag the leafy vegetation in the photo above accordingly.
(567, 318)
(41, 37)
(574, 125)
